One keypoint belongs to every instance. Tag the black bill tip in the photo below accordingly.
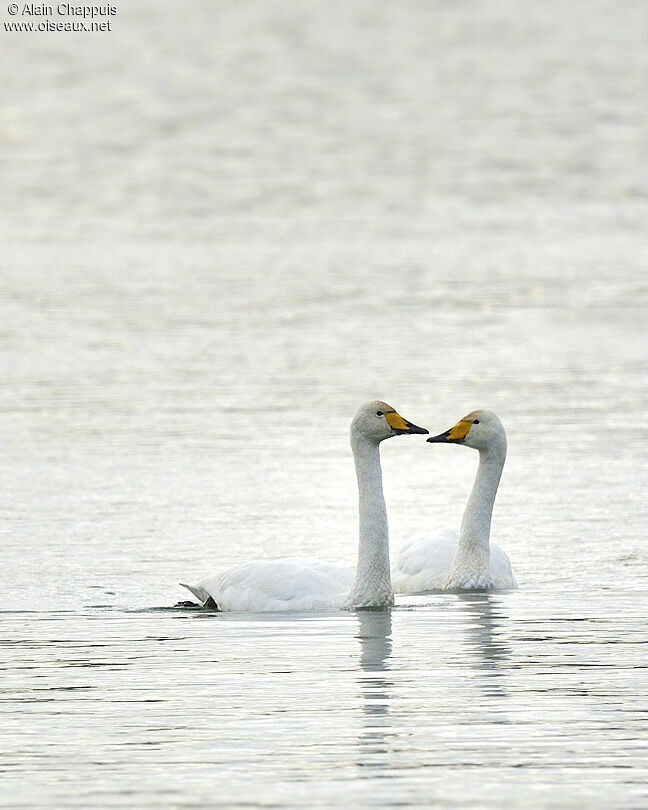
(442, 438)
(417, 429)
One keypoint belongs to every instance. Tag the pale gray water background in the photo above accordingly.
(224, 227)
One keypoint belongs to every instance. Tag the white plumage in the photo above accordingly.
(424, 564)
(464, 560)
(304, 584)
(278, 585)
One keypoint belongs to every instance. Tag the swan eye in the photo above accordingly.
(379, 413)
(475, 421)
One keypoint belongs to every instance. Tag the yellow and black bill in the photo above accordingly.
(400, 425)
(456, 435)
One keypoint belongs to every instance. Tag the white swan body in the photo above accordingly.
(467, 560)
(424, 564)
(303, 585)
(278, 585)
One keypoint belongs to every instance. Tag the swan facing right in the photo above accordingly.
(305, 585)
(445, 562)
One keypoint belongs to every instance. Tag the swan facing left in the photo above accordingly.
(303, 584)
(467, 561)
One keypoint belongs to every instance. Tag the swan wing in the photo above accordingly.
(423, 563)
(500, 568)
(278, 585)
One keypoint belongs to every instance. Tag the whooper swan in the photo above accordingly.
(469, 562)
(302, 584)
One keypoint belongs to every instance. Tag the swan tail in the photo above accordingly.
(206, 599)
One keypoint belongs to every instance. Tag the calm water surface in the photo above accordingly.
(221, 234)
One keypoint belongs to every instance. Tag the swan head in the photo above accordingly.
(481, 429)
(376, 421)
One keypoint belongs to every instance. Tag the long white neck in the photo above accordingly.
(471, 565)
(372, 586)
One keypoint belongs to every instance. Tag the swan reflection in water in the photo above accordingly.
(478, 622)
(488, 652)
(374, 635)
